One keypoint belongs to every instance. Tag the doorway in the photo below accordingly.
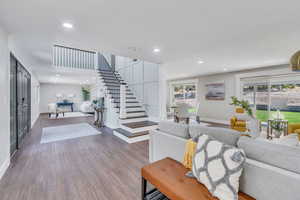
(20, 103)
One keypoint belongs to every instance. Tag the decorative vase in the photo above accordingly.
(253, 125)
(277, 133)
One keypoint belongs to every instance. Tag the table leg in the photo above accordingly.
(101, 122)
(72, 109)
(144, 188)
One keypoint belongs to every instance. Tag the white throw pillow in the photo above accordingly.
(289, 140)
(218, 166)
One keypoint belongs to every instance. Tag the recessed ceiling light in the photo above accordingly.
(200, 61)
(225, 69)
(67, 25)
(156, 50)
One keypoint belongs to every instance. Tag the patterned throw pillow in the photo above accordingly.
(218, 166)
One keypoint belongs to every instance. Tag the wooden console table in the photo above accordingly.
(66, 104)
(168, 176)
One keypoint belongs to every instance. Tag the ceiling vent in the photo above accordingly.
(295, 61)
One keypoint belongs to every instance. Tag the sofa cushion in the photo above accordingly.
(225, 135)
(177, 129)
(282, 156)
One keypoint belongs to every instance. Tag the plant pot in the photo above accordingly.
(277, 133)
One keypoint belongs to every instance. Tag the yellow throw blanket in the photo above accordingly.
(190, 150)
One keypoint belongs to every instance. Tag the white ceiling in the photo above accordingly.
(228, 34)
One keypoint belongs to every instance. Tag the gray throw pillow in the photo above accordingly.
(218, 166)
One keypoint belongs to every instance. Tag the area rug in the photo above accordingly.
(66, 132)
(70, 115)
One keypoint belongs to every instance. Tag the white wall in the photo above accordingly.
(35, 99)
(143, 79)
(4, 104)
(217, 110)
(48, 93)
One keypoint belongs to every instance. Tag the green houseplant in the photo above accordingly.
(243, 104)
(86, 93)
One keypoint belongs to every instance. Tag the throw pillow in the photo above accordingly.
(218, 166)
(190, 149)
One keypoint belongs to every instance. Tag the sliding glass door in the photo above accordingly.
(273, 94)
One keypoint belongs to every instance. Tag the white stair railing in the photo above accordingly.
(123, 101)
(73, 58)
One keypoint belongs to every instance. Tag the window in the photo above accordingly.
(184, 93)
(273, 94)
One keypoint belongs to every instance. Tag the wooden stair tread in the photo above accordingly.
(114, 97)
(117, 89)
(143, 116)
(140, 124)
(138, 111)
(118, 102)
(129, 106)
(112, 93)
(129, 134)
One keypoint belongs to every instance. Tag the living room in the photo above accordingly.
(149, 100)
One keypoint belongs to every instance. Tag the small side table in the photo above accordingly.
(285, 125)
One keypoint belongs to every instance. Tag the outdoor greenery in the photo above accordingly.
(292, 117)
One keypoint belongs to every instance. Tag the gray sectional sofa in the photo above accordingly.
(271, 172)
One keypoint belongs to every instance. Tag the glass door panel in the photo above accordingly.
(178, 94)
(190, 97)
(285, 97)
(248, 94)
(261, 98)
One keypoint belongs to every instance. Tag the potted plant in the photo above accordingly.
(278, 127)
(86, 93)
(243, 104)
(253, 125)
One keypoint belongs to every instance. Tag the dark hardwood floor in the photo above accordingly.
(98, 167)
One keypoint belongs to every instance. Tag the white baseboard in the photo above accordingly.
(215, 120)
(33, 121)
(4, 167)
(131, 140)
(154, 119)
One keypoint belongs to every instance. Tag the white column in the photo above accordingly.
(123, 101)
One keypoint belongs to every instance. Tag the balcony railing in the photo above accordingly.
(74, 58)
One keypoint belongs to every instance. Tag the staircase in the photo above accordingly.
(135, 126)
